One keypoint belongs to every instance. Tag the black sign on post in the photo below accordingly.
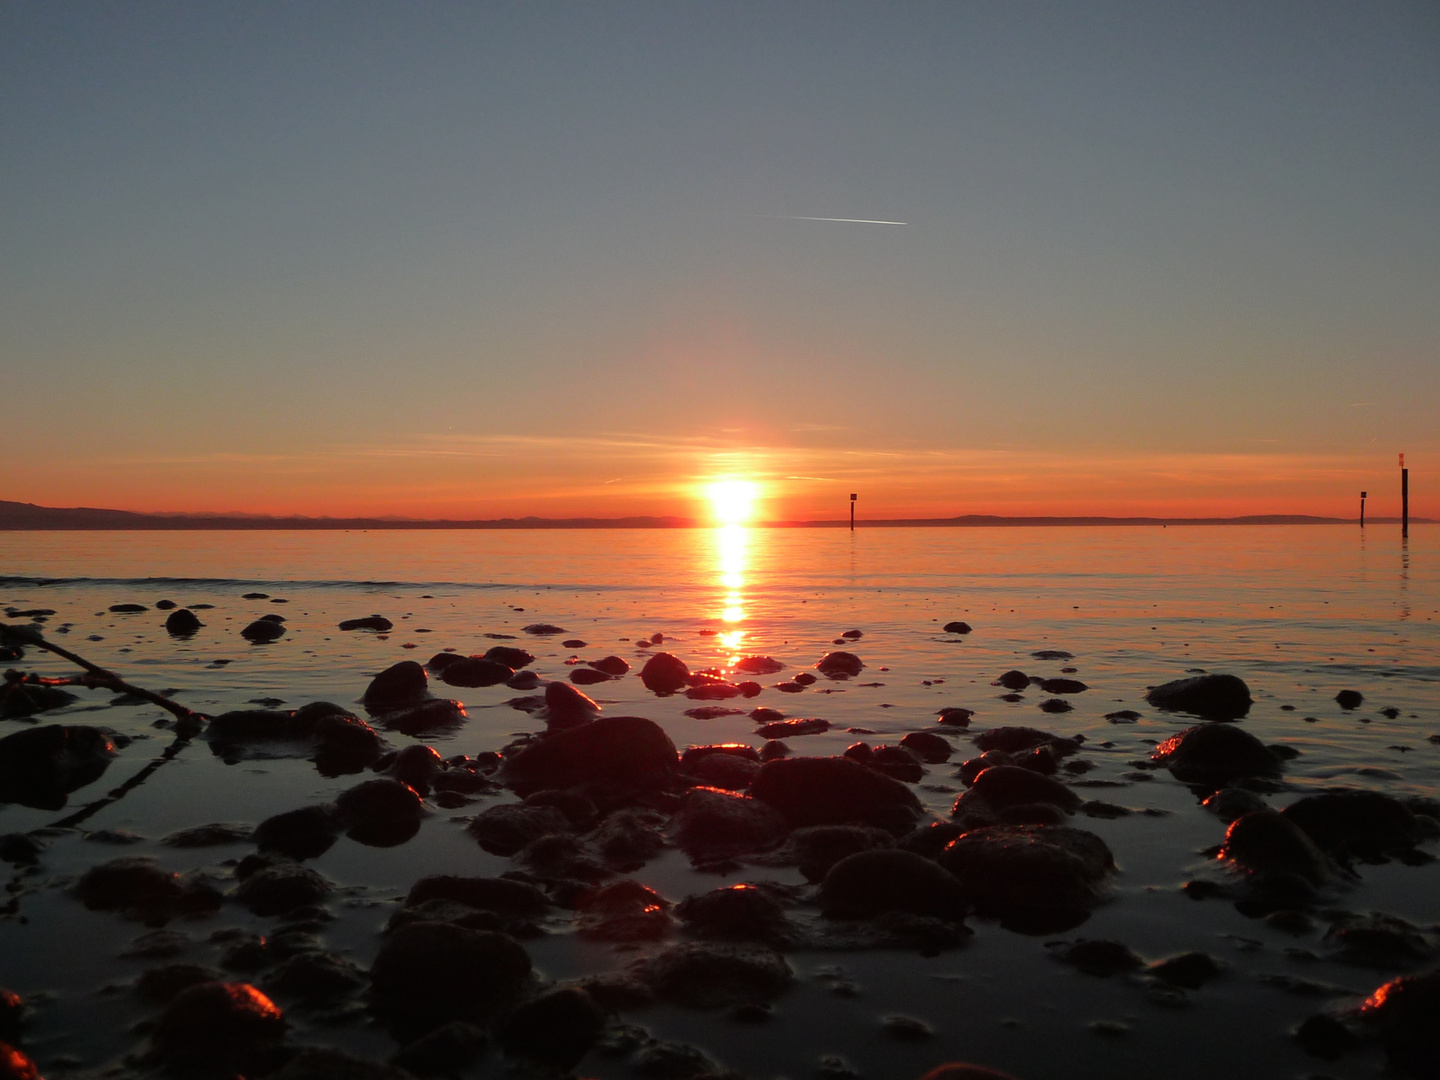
(853, 497)
(1362, 508)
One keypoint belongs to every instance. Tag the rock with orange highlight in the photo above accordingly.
(664, 673)
(218, 1024)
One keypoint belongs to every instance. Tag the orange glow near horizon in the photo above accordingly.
(733, 501)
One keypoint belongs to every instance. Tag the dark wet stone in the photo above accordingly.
(712, 975)
(542, 629)
(1100, 958)
(1015, 740)
(759, 665)
(218, 1024)
(1404, 1012)
(182, 621)
(510, 656)
(377, 623)
(839, 663)
(380, 813)
(1056, 705)
(626, 752)
(1031, 872)
(441, 660)
(1003, 786)
(136, 886)
(694, 754)
(787, 729)
(955, 716)
(1189, 971)
(1063, 686)
(628, 838)
(928, 747)
(712, 824)
(428, 974)
(1013, 679)
(473, 672)
(213, 835)
(445, 1051)
(819, 847)
(614, 666)
(20, 849)
(26, 699)
(1325, 1037)
(16, 1064)
(280, 887)
(624, 911)
(725, 771)
(299, 834)
(737, 913)
(1274, 851)
(39, 767)
(128, 609)
(763, 714)
(835, 791)
(524, 680)
(957, 627)
(557, 1028)
(863, 885)
(657, 1060)
(567, 707)
(1122, 716)
(400, 684)
(930, 840)
(505, 829)
(896, 762)
(425, 717)
(255, 596)
(1378, 940)
(416, 765)
(165, 983)
(1349, 699)
(1356, 824)
(1108, 811)
(665, 673)
(584, 676)
(580, 811)
(774, 748)
(315, 978)
(262, 631)
(327, 1063)
(1215, 697)
(1233, 802)
(504, 896)
(1215, 755)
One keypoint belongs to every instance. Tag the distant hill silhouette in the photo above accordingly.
(21, 516)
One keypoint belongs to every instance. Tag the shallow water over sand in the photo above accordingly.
(1299, 612)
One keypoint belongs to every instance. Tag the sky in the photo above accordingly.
(485, 259)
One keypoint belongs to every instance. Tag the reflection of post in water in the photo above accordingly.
(732, 552)
(1404, 577)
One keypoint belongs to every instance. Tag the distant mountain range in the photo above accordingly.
(22, 516)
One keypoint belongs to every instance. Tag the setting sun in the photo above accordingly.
(733, 500)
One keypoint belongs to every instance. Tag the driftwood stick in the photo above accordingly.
(98, 678)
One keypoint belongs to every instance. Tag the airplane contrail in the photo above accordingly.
(847, 220)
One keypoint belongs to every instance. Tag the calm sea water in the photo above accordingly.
(1299, 612)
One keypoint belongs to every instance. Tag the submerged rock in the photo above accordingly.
(263, 631)
(378, 623)
(337, 741)
(509, 655)
(1015, 740)
(41, 766)
(839, 664)
(711, 975)
(1040, 876)
(473, 671)
(711, 824)
(835, 791)
(138, 887)
(627, 752)
(19, 699)
(1356, 824)
(1215, 755)
(867, 883)
(957, 627)
(1004, 786)
(1215, 697)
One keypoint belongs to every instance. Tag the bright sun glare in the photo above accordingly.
(733, 500)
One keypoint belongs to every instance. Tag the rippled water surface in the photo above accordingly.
(1299, 612)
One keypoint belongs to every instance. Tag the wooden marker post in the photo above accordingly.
(1404, 498)
(1362, 508)
(853, 497)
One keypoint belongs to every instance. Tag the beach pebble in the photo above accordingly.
(1063, 686)
(315, 978)
(713, 975)
(1325, 1037)
(1215, 697)
(1099, 958)
(1403, 1011)
(511, 656)
(263, 631)
(711, 824)
(1356, 824)
(835, 791)
(218, 1024)
(759, 665)
(863, 885)
(1043, 873)
(505, 829)
(427, 974)
(474, 671)
(659, 1060)
(1349, 699)
(441, 660)
(380, 813)
(1015, 740)
(541, 629)
(280, 886)
(556, 1028)
(1003, 786)
(664, 673)
(424, 718)
(1013, 680)
(40, 766)
(614, 666)
(817, 848)
(957, 627)
(1215, 755)
(955, 716)
(737, 913)
(928, 747)
(523, 680)
(181, 622)
(377, 623)
(626, 752)
(443, 1052)
(839, 664)
(399, 684)
(299, 834)
(1274, 852)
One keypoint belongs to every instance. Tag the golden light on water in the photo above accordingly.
(734, 540)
